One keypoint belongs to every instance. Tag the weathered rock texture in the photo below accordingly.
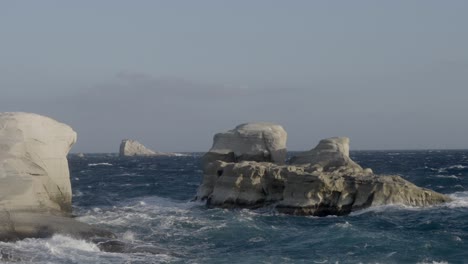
(130, 148)
(35, 189)
(323, 181)
(330, 153)
(251, 141)
(33, 165)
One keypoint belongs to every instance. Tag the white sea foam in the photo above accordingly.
(433, 262)
(57, 249)
(452, 167)
(460, 199)
(385, 208)
(180, 155)
(99, 164)
(346, 224)
(458, 166)
(447, 176)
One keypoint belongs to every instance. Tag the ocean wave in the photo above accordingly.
(451, 167)
(56, 249)
(460, 199)
(458, 166)
(447, 176)
(386, 208)
(433, 262)
(165, 213)
(100, 164)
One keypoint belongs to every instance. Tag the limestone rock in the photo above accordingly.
(322, 181)
(130, 147)
(33, 165)
(250, 141)
(35, 189)
(330, 153)
(306, 189)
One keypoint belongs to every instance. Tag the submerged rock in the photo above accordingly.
(322, 181)
(35, 188)
(130, 148)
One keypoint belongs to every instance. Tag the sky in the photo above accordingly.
(171, 74)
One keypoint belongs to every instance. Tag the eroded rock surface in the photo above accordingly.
(131, 148)
(250, 141)
(33, 165)
(35, 189)
(322, 181)
(330, 153)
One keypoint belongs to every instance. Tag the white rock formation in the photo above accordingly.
(330, 153)
(306, 189)
(251, 141)
(34, 172)
(130, 147)
(35, 189)
(322, 181)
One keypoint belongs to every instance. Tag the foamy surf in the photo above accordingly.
(99, 164)
(460, 200)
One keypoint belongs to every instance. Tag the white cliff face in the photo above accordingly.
(34, 173)
(322, 181)
(251, 141)
(130, 147)
(306, 189)
(330, 153)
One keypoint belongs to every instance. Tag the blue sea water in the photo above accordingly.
(146, 202)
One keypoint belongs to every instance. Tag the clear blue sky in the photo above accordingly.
(388, 74)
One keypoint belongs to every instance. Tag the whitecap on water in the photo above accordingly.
(447, 176)
(458, 166)
(460, 199)
(59, 248)
(344, 225)
(384, 208)
(100, 164)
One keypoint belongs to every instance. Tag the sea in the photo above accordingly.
(147, 203)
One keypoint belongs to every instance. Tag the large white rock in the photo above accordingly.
(130, 147)
(330, 153)
(306, 189)
(322, 181)
(34, 172)
(250, 141)
(35, 189)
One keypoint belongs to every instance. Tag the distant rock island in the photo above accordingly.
(245, 169)
(35, 188)
(131, 148)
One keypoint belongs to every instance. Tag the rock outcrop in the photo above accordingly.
(322, 181)
(33, 165)
(131, 148)
(330, 154)
(35, 189)
(262, 142)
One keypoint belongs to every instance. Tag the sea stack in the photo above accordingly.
(35, 189)
(322, 181)
(130, 147)
(262, 142)
(34, 169)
